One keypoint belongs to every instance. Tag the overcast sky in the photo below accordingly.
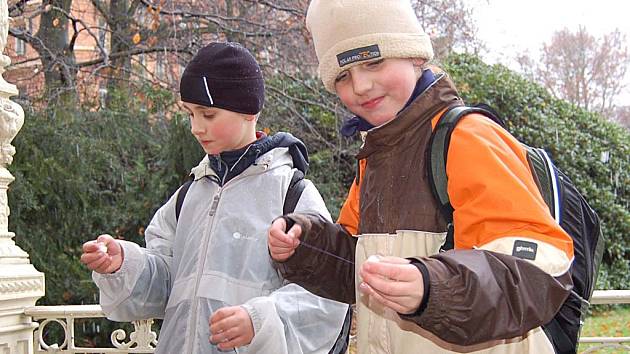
(509, 27)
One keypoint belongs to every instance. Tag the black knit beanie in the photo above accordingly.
(224, 75)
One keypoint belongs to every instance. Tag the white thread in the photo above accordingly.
(325, 252)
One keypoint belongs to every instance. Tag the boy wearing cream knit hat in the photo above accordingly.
(484, 296)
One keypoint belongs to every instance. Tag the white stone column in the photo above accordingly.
(20, 283)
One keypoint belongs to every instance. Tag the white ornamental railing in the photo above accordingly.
(144, 340)
(141, 340)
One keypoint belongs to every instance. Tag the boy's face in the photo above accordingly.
(376, 91)
(219, 130)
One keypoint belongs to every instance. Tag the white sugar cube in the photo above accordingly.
(102, 247)
(374, 258)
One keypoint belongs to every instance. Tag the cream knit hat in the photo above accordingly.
(349, 32)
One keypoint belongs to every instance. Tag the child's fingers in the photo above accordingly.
(281, 242)
(223, 336)
(103, 243)
(281, 254)
(395, 271)
(88, 257)
(225, 321)
(277, 235)
(112, 246)
(282, 245)
(104, 266)
(96, 263)
(295, 232)
(279, 225)
(105, 238)
(393, 260)
(231, 327)
(385, 301)
(233, 343)
(386, 286)
(397, 286)
(91, 246)
(219, 315)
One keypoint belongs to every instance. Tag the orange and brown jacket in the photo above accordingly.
(480, 291)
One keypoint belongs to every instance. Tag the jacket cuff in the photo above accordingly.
(254, 316)
(425, 292)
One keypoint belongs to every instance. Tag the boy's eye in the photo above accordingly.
(374, 64)
(342, 76)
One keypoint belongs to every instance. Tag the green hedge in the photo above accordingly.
(86, 174)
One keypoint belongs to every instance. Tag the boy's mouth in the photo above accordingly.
(372, 103)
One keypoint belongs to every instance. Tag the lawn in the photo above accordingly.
(610, 323)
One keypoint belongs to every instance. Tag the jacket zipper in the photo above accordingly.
(194, 313)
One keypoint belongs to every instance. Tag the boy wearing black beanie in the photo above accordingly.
(206, 268)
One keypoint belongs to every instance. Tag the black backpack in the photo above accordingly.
(296, 186)
(566, 205)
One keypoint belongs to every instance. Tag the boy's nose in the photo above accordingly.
(195, 128)
(361, 84)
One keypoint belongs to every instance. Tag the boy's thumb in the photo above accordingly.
(295, 232)
(105, 238)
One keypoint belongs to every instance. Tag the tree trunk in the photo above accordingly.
(120, 17)
(56, 52)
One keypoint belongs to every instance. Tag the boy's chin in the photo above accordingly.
(212, 151)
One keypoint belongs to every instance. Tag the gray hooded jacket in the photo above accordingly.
(215, 256)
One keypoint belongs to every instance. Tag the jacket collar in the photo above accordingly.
(266, 152)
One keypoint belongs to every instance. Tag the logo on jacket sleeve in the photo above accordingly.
(358, 54)
(525, 250)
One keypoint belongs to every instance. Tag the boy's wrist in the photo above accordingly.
(425, 291)
(122, 259)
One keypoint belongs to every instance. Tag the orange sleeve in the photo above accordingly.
(349, 214)
(492, 189)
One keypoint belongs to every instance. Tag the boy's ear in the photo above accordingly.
(251, 117)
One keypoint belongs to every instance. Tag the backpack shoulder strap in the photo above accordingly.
(437, 155)
(181, 194)
(294, 192)
(546, 179)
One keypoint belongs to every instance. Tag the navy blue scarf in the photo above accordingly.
(357, 124)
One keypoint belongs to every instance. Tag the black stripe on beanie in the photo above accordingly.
(224, 75)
